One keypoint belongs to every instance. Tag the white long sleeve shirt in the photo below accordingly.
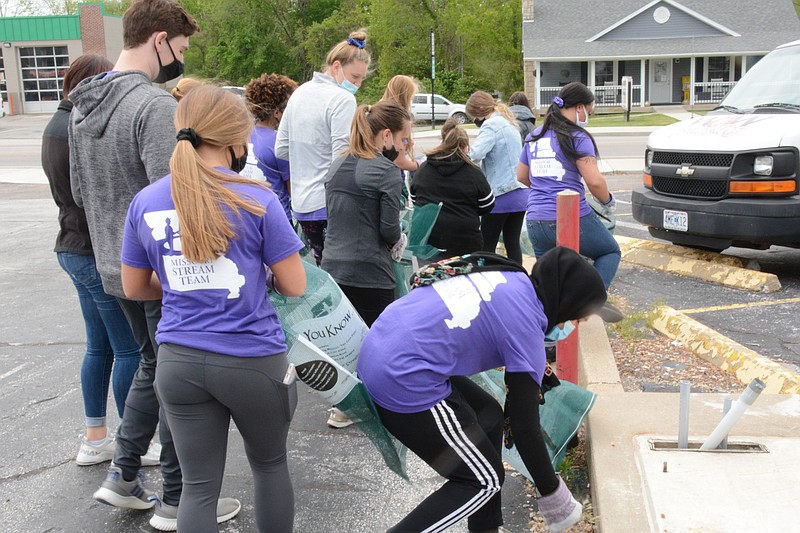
(314, 131)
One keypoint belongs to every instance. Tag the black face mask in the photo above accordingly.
(390, 153)
(238, 163)
(479, 121)
(168, 72)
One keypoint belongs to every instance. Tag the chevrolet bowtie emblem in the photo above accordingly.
(684, 171)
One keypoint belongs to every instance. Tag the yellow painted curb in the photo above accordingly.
(725, 353)
(628, 243)
(730, 276)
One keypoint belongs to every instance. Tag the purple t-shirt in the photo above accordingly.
(551, 172)
(274, 170)
(511, 202)
(222, 305)
(313, 216)
(456, 327)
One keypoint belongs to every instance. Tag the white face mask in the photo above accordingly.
(578, 121)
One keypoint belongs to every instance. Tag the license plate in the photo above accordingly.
(676, 220)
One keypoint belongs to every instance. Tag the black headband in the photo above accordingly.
(188, 134)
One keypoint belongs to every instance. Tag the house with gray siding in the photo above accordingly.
(675, 51)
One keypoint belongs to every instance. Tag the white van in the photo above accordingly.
(730, 178)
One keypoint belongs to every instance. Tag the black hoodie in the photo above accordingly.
(465, 195)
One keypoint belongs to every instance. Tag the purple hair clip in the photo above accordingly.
(558, 101)
(358, 43)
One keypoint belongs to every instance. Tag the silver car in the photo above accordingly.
(442, 108)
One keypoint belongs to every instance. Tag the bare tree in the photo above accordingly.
(15, 8)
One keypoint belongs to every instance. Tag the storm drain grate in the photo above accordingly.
(658, 445)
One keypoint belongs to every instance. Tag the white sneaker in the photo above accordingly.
(338, 419)
(90, 454)
(153, 455)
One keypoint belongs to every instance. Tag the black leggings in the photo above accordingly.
(315, 231)
(510, 225)
(368, 302)
(461, 438)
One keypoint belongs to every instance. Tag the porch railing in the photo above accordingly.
(605, 96)
(711, 92)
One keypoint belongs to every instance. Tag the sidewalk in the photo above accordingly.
(636, 489)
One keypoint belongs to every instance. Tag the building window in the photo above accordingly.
(719, 68)
(43, 69)
(3, 88)
(604, 73)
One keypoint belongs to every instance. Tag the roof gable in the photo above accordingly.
(663, 19)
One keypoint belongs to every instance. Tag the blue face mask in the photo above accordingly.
(559, 334)
(347, 85)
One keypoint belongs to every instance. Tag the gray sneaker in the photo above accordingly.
(165, 517)
(117, 492)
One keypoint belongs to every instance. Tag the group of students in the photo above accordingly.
(166, 236)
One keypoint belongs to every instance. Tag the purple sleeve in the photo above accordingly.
(525, 155)
(280, 240)
(584, 145)
(133, 253)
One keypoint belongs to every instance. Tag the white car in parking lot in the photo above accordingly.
(442, 108)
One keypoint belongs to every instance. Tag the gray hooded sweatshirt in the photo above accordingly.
(121, 138)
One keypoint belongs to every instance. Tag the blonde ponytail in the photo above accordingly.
(201, 193)
(369, 121)
(481, 104)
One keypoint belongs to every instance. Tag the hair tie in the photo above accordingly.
(358, 43)
(188, 134)
(558, 101)
(369, 108)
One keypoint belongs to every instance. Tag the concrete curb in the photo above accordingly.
(698, 268)
(724, 352)
(682, 251)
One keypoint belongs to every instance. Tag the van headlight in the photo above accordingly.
(648, 158)
(762, 165)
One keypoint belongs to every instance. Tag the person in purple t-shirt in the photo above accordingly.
(554, 158)
(414, 363)
(266, 97)
(199, 240)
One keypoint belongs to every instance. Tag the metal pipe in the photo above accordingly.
(683, 417)
(737, 410)
(726, 406)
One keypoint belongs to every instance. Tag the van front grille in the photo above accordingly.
(690, 188)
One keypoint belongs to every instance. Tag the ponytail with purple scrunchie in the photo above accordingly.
(558, 101)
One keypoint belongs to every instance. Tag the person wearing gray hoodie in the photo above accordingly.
(521, 108)
(121, 137)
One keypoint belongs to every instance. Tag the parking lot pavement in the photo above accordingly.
(765, 323)
(340, 481)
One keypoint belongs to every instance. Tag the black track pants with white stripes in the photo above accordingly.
(460, 438)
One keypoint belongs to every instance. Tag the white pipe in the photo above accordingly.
(683, 415)
(726, 407)
(737, 410)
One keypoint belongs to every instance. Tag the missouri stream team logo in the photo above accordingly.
(463, 296)
(184, 275)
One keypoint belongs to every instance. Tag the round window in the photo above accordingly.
(661, 15)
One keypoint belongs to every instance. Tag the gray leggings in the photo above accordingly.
(200, 392)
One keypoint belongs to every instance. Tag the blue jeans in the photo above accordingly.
(597, 243)
(112, 354)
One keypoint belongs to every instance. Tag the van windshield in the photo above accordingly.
(775, 79)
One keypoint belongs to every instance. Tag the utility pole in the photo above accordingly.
(433, 78)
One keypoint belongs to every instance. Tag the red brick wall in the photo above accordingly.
(93, 36)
